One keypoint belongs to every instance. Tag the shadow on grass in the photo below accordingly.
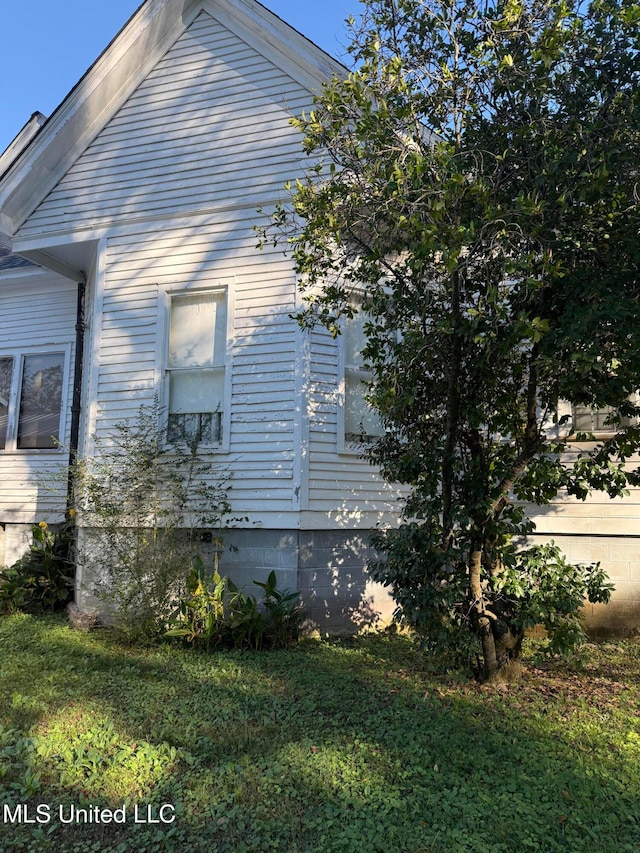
(325, 747)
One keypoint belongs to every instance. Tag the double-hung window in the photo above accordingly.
(361, 422)
(196, 366)
(31, 400)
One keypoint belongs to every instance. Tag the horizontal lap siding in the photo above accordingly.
(208, 127)
(39, 311)
(339, 483)
(207, 130)
(262, 295)
(599, 515)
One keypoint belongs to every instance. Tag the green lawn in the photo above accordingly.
(343, 746)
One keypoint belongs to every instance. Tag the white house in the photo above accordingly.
(126, 218)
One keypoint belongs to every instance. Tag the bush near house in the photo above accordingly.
(43, 579)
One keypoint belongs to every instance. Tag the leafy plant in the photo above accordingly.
(201, 614)
(144, 505)
(217, 612)
(247, 622)
(283, 613)
(43, 579)
(538, 586)
(273, 623)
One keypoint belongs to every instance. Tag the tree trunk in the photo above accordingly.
(453, 410)
(481, 619)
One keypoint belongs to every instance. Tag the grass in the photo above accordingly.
(328, 747)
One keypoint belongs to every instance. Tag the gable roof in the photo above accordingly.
(126, 61)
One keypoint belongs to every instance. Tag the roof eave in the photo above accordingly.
(121, 67)
(89, 105)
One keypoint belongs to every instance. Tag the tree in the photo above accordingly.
(475, 178)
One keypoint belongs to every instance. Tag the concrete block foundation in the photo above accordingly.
(328, 568)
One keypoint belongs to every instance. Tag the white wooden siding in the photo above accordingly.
(342, 486)
(137, 271)
(208, 127)
(36, 310)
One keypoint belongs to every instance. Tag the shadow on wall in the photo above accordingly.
(619, 618)
(335, 586)
(327, 567)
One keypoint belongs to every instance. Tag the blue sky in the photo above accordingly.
(47, 45)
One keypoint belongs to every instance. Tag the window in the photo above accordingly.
(31, 399)
(590, 420)
(6, 372)
(361, 423)
(196, 366)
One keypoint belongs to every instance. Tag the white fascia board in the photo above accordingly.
(89, 106)
(279, 42)
(53, 264)
(20, 142)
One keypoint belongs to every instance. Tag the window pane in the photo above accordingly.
(359, 418)
(197, 330)
(355, 339)
(40, 401)
(204, 426)
(196, 390)
(6, 372)
(592, 420)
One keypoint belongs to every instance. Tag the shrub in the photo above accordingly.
(144, 503)
(43, 579)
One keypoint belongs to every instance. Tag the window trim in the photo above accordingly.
(345, 446)
(597, 434)
(18, 355)
(168, 293)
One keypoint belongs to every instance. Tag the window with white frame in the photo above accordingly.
(588, 420)
(31, 400)
(361, 422)
(196, 365)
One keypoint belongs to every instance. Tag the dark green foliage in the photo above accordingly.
(42, 580)
(215, 612)
(472, 188)
(537, 586)
(282, 613)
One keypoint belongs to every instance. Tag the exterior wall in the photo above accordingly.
(14, 543)
(37, 310)
(344, 490)
(334, 584)
(130, 347)
(208, 127)
(327, 567)
(599, 529)
(620, 556)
